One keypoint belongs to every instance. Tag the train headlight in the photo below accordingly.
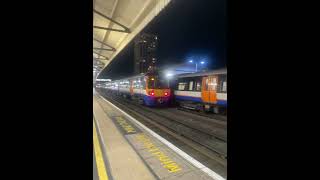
(151, 93)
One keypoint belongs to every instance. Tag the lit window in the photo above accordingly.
(224, 86)
(182, 86)
(198, 87)
(190, 85)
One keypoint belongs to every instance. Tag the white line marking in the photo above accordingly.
(193, 161)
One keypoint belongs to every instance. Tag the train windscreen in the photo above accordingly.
(157, 83)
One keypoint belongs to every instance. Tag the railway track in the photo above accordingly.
(209, 137)
(215, 130)
(208, 115)
(208, 157)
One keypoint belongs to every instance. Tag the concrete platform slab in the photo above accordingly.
(134, 150)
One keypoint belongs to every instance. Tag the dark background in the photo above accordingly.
(46, 122)
(185, 28)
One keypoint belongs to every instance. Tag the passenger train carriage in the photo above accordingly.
(148, 89)
(202, 91)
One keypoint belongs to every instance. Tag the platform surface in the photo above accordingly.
(131, 151)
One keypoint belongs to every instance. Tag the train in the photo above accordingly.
(202, 91)
(148, 89)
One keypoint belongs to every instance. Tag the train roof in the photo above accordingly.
(206, 73)
(132, 77)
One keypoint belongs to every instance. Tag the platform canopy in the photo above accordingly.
(117, 22)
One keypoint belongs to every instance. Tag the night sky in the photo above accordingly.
(185, 29)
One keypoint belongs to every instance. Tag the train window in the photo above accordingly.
(224, 86)
(206, 84)
(157, 83)
(136, 84)
(212, 83)
(190, 85)
(143, 83)
(139, 83)
(182, 86)
(198, 86)
(222, 83)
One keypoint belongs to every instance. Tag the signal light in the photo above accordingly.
(166, 94)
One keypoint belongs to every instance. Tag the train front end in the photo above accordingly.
(157, 92)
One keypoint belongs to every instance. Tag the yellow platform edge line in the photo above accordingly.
(102, 171)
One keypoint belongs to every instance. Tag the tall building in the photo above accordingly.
(145, 47)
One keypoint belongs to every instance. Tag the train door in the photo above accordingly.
(131, 87)
(213, 80)
(208, 93)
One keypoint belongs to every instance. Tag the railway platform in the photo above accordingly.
(125, 149)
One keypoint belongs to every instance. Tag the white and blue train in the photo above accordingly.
(204, 91)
